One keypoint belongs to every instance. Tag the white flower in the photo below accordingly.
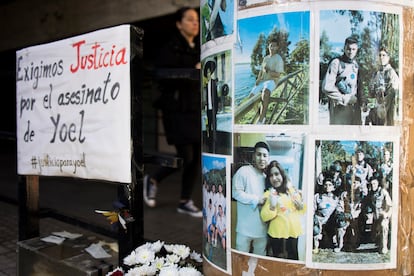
(181, 250)
(149, 260)
(156, 246)
(196, 257)
(131, 259)
(145, 256)
(169, 271)
(172, 258)
(147, 245)
(189, 271)
(159, 262)
(169, 247)
(144, 270)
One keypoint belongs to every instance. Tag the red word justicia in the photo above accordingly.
(96, 56)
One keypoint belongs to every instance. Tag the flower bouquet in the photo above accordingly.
(158, 258)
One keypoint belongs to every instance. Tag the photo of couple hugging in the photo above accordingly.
(270, 207)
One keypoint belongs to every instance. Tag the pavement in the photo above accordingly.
(69, 204)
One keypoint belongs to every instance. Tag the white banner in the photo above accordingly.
(73, 107)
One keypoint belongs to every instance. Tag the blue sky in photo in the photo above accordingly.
(212, 162)
(295, 23)
(338, 27)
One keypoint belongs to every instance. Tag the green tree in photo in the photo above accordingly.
(260, 49)
(332, 151)
(300, 55)
(257, 54)
(325, 49)
(366, 60)
(391, 36)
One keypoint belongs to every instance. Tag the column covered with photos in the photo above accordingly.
(305, 135)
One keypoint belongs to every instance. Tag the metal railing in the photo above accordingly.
(286, 89)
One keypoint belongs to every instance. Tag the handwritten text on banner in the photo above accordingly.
(73, 107)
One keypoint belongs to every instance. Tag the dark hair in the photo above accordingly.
(351, 40)
(210, 64)
(262, 145)
(327, 179)
(276, 164)
(359, 150)
(384, 49)
(179, 14)
(376, 176)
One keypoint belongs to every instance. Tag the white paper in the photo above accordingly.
(96, 251)
(53, 239)
(66, 234)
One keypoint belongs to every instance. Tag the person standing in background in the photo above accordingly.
(180, 105)
(380, 202)
(384, 87)
(386, 170)
(362, 169)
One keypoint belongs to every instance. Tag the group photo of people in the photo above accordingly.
(214, 210)
(359, 68)
(353, 201)
(268, 205)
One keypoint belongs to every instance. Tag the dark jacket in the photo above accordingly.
(215, 100)
(180, 99)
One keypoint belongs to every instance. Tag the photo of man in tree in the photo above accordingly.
(376, 33)
(283, 99)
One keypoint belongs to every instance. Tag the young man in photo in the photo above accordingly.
(272, 68)
(248, 186)
(341, 87)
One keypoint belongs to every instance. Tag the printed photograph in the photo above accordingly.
(215, 210)
(246, 4)
(217, 19)
(354, 204)
(217, 98)
(268, 197)
(359, 68)
(272, 69)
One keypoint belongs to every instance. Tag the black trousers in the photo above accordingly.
(191, 171)
(284, 248)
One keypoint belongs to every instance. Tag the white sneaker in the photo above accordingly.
(190, 209)
(150, 191)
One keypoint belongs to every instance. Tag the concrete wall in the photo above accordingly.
(30, 22)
